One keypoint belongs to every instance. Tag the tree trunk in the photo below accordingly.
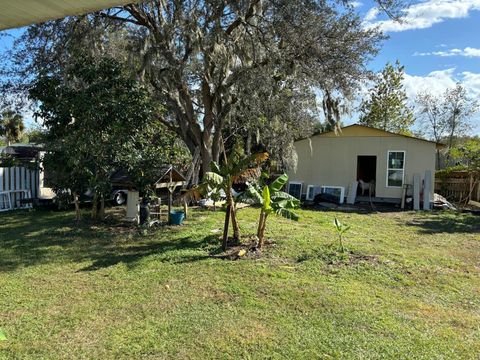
(95, 206)
(206, 156)
(233, 212)
(261, 228)
(78, 215)
(101, 213)
(225, 229)
(236, 228)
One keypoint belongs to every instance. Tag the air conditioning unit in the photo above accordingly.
(312, 190)
(337, 192)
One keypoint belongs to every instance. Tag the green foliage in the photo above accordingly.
(386, 107)
(99, 120)
(3, 337)
(11, 126)
(273, 200)
(238, 169)
(341, 229)
(446, 117)
(468, 154)
(221, 66)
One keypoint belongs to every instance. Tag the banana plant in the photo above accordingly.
(341, 229)
(236, 170)
(273, 201)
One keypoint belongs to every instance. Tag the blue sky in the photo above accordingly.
(438, 42)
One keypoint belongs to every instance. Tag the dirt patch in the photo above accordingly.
(248, 249)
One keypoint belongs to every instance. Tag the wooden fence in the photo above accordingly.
(458, 189)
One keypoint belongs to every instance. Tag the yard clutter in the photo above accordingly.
(151, 209)
(440, 202)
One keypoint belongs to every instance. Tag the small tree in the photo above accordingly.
(273, 200)
(98, 120)
(237, 169)
(446, 117)
(387, 108)
(340, 229)
(11, 126)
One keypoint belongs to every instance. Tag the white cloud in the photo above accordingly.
(472, 82)
(435, 82)
(467, 52)
(371, 15)
(424, 15)
(356, 4)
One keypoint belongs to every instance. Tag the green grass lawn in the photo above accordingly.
(411, 289)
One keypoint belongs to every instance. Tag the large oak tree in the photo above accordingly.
(211, 63)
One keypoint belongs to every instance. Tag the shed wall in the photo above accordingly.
(332, 160)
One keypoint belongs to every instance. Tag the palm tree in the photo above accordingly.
(11, 126)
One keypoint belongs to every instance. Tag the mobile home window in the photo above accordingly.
(395, 168)
(295, 189)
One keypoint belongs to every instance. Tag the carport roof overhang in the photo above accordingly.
(17, 13)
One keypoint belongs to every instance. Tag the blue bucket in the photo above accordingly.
(176, 217)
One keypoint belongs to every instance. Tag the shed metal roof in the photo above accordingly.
(380, 132)
(26, 12)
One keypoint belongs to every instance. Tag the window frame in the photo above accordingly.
(311, 186)
(389, 168)
(295, 183)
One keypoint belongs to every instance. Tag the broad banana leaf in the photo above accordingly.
(216, 168)
(213, 179)
(278, 184)
(287, 214)
(250, 174)
(253, 194)
(283, 196)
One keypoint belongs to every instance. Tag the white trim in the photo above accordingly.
(388, 168)
(308, 190)
(295, 183)
(342, 192)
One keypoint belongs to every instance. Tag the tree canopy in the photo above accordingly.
(216, 65)
(99, 120)
(446, 117)
(386, 108)
(11, 126)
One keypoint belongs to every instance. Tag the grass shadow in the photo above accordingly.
(41, 237)
(439, 222)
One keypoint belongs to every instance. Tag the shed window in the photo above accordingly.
(295, 189)
(395, 168)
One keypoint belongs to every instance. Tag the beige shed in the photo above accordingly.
(386, 161)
